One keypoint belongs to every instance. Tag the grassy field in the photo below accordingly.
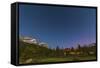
(65, 59)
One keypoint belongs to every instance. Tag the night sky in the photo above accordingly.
(58, 26)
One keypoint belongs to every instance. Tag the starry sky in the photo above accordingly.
(58, 26)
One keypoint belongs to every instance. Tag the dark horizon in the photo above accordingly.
(58, 26)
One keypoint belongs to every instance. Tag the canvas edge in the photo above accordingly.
(15, 49)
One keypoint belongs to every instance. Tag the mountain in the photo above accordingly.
(33, 41)
(30, 51)
(29, 40)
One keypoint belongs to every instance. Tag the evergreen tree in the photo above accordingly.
(79, 47)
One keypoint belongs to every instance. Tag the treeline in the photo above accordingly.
(86, 50)
(36, 52)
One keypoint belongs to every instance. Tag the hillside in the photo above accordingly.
(31, 51)
(34, 53)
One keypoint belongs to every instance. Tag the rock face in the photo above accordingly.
(28, 61)
(29, 40)
(33, 41)
(43, 44)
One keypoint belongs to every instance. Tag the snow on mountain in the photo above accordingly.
(33, 41)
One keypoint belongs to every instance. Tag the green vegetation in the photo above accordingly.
(33, 53)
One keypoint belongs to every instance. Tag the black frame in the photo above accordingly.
(15, 32)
